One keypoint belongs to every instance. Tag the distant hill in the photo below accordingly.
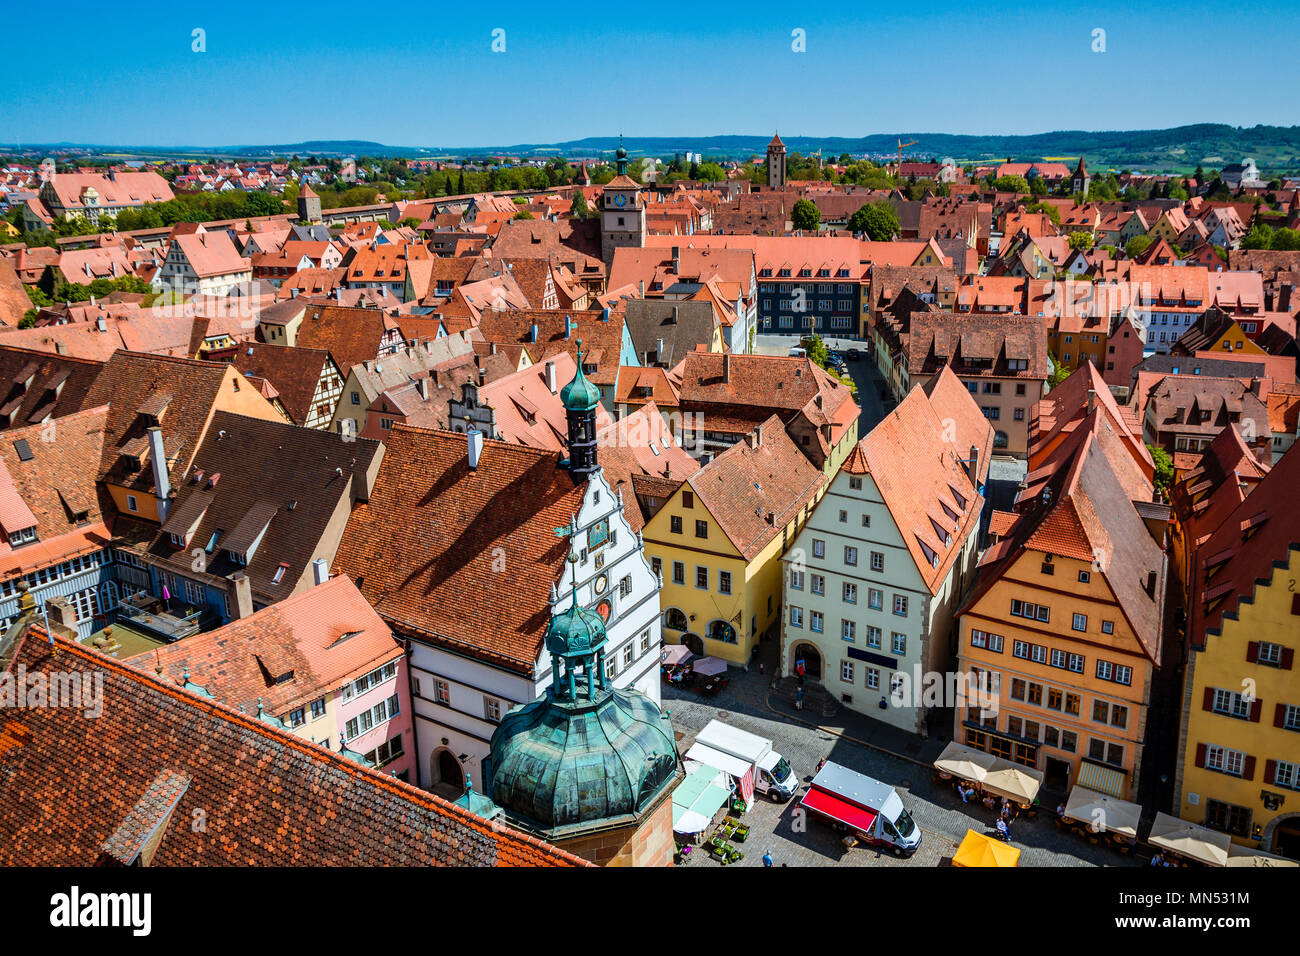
(1275, 149)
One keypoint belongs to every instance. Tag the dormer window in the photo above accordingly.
(22, 536)
(279, 574)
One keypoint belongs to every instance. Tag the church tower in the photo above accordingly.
(581, 399)
(622, 218)
(776, 164)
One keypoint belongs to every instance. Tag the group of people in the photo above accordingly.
(1006, 810)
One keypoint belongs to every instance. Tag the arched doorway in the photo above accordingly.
(693, 642)
(1282, 836)
(812, 661)
(447, 774)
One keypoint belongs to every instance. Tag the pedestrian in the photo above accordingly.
(1004, 833)
(1158, 859)
(965, 794)
(1060, 810)
(798, 698)
(1006, 811)
(767, 858)
(820, 763)
(762, 669)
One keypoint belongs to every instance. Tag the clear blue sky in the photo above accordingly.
(416, 75)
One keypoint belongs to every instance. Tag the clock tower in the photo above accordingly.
(622, 217)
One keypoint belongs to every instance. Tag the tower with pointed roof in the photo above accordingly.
(776, 163)
(1080, 181)
(622, 218)
(309, 209)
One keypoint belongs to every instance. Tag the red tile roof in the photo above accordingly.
(268, 797)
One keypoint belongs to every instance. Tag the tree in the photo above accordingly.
(1059, 373)
(522, 214)
(1137, 245)
(1081, 240)
(805, 216)
(711, 173)
(1038, 187)
(580, 210)
(1259, 237)
(1050, 210)
(1285, 239)
(876, 220)
(817, 351)
(460, 184)
(1011, 184)
(1164, 474)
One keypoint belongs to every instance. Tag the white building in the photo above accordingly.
(872, 582)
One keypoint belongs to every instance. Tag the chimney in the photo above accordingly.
(726, 367)
(293, 293)
(158, 459)
(1150, 586)
(642, 285)
(482, 377)
(551, 382)
(362, 483)
(677, 257)
(758, 436)
(532, 333)
(972, 467)
(674, 315)
(101, 324)
(1092, 400)
(568, 326)
(320, 571)
(492, 348)
(475, 447)
(1255, 385)
(604, 314)
(240, 592)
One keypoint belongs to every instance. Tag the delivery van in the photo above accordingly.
(869, 810)
(772, 773)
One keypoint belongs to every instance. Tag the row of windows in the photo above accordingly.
(366, 681)
(368, 719)
(56, 572)
(849, 630)
(871, 677)
(701, 576)
(1058, 738)
(849, 592)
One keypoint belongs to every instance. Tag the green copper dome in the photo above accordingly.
(574, 632)
(580, 395)
(558, 763)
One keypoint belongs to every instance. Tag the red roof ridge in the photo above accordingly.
(226, 712)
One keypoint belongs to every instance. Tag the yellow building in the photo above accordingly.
(1239, 768)
(717, 543)
(1065, 618)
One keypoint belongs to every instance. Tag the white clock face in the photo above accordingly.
(602, 582)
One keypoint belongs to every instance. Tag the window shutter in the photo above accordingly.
(1288, 658)
(1252, 652)
(1256, 706)
(1279, 715)
(1207, 702)
(1248, 771)
(1270, 769)
(1200, 755)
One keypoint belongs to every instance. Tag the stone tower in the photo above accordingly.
(776, 164)
(581, 399)
(308, 204)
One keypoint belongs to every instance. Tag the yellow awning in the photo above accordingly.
(1102, 779)
(978, 850)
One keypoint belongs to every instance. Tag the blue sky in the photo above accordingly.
(416, 75)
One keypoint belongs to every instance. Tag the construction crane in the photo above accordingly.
(902, 146)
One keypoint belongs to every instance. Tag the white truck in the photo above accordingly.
(867, 809)
(739, 752)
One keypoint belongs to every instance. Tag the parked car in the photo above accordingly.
(854, 355)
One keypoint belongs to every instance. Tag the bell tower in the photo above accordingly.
(581, 399)
(622, 217)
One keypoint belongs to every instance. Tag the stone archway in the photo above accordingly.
(812, 660)
(446, 774)
(694, 643)
(1281, 836)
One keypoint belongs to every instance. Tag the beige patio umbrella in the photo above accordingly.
(965, 762)
(1013, 780)
(1190, 840)
(1244, 856)
(1089, 807)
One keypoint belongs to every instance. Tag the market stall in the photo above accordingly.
(979, 850)
(742, 771)
(699, 800)
(1190, 840)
